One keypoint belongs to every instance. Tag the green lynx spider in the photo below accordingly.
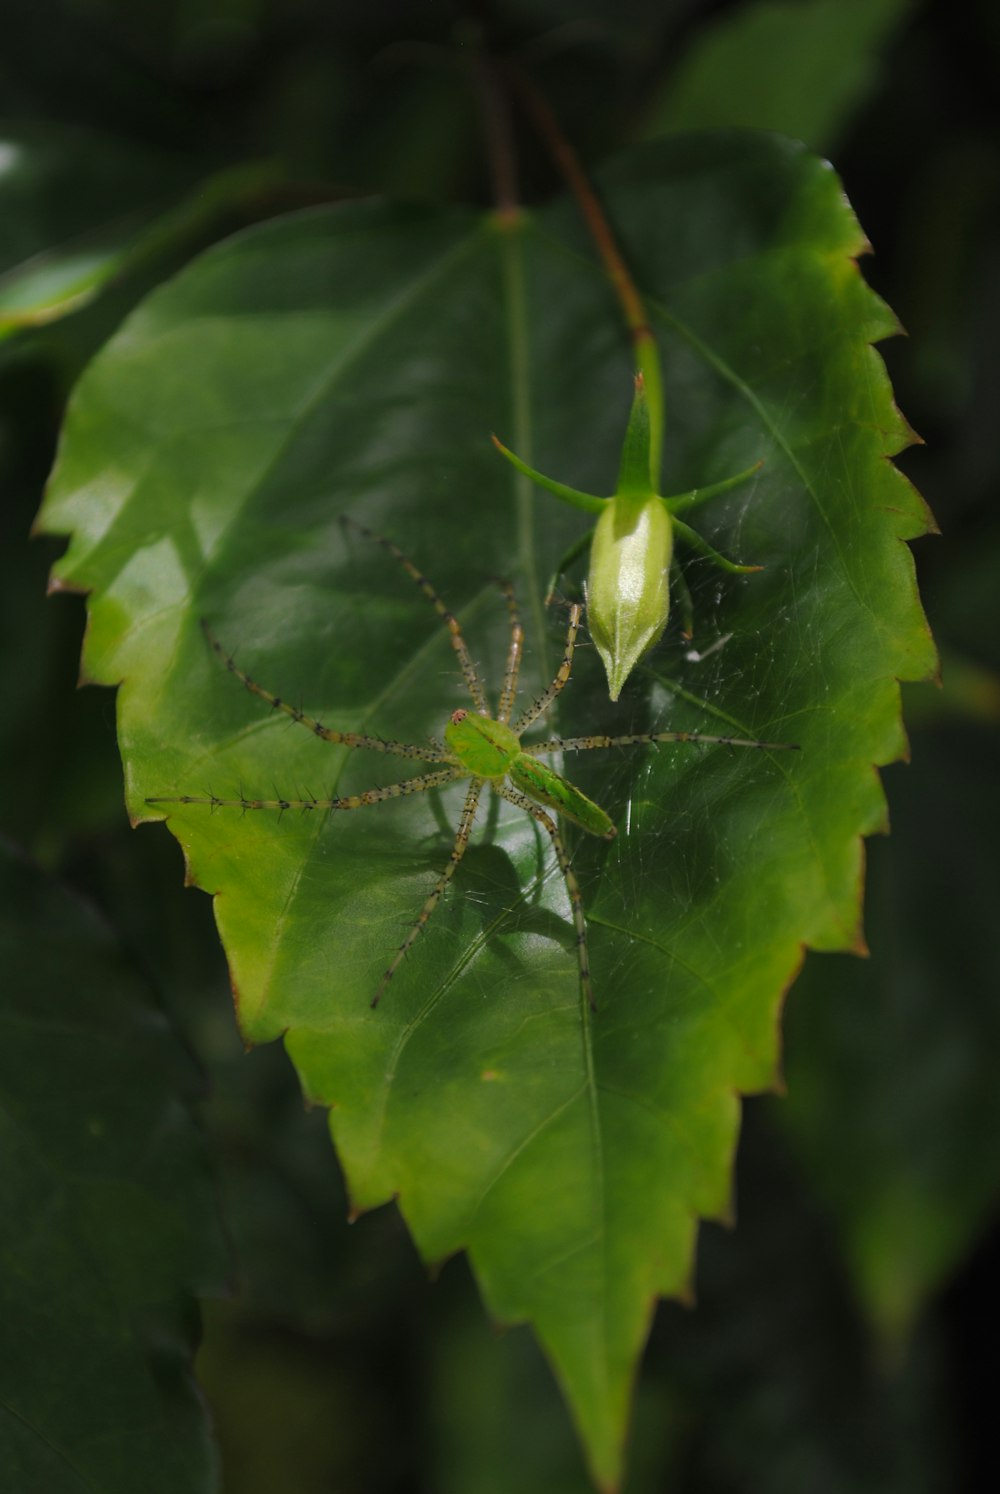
(483, 749)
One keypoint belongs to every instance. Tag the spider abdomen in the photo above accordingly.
(540, 783)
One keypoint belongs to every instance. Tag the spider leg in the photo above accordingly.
(562, 674)
(457, 852)
(426, 754)
(346, 801)
(472, 681)
(649, 738)
(509, 692)
(515, 796)
(573, 553)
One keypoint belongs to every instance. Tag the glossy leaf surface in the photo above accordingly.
(356, 361)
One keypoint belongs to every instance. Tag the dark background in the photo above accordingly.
(336, 1365)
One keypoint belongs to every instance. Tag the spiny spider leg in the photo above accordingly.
(514, 796)
(531, 715)
(472, 681)
(425, 754)
(476, 749)
(509, 692)
(457, 852)
(648, 739)
(346, 801)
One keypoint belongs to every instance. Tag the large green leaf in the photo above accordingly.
(109, 1228)
(356, 361)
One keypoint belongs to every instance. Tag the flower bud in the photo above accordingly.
(628, 589)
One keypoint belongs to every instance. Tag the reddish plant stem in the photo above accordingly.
(647, 357)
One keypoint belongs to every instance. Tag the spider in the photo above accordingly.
(483, 749)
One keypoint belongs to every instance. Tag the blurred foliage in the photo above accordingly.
(801, 67)
(109, 1223)
(800, 1367)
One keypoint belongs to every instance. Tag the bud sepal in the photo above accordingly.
(632, 547)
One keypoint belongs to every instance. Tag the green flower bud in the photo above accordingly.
(628, 589)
